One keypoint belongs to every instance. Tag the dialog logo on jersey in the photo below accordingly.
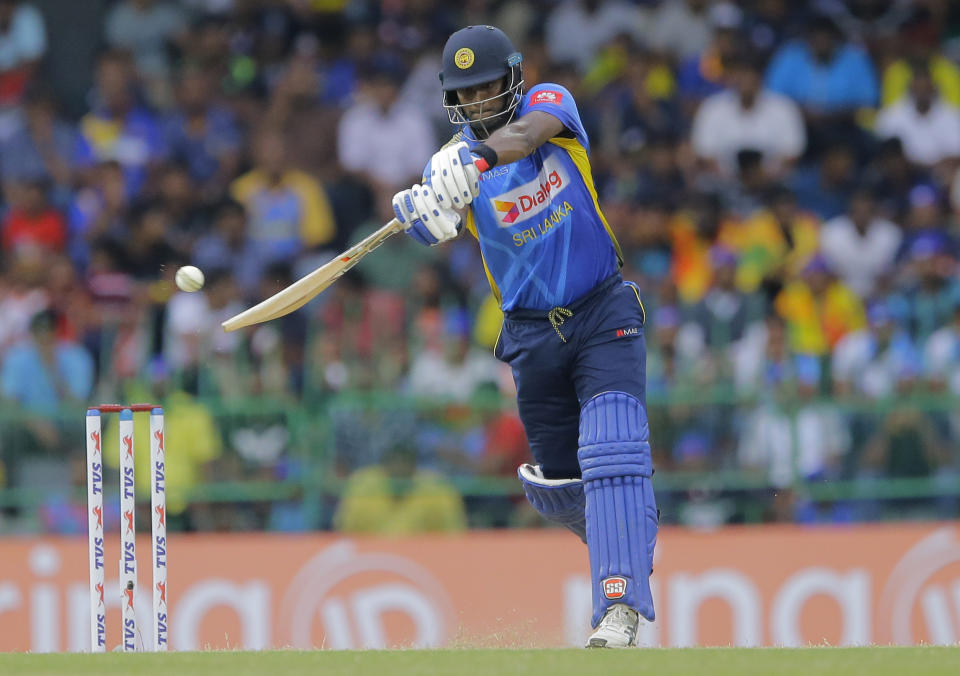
(509, 208)
(532, 197)
(614, 587)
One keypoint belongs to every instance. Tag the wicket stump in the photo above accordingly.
(128, 551)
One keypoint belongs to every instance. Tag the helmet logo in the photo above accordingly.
(463, 58)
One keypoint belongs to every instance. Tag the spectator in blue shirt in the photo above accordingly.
(43, 373)
(202, 134)
(119, 127)
(822, 73)
(830, 79)
(42, 147)
(825, 188)
(228, 246)
(704, 74)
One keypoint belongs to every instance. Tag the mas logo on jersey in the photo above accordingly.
(614, 587)
(532, 197)
(632, 331)
(546, 96)
(463, 58)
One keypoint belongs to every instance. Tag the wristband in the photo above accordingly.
(486, 153)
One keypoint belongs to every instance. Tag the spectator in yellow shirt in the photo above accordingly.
(897, 76)
(191, 438)
(819, 309)
(776, 244)
(287, 209)
(395, 498)
(693, 233)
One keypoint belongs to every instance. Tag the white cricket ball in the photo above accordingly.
(189, 278)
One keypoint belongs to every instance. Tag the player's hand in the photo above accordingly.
(418, 209)
(454, 177)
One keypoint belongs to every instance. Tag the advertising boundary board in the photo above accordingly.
(761, 585)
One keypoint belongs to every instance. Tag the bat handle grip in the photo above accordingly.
(482, 165)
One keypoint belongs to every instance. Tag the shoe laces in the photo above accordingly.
(620, 614)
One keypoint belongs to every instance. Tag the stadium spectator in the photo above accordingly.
(776, 244)
(878, 361)
(928, 287)
(819, 309)
(721, 317)
(822, 72)
(42, 146)
(227, 245)
(771, 23)
(21, 297)
(456, 371)
(146, 248)
(893, 178)
(397, 498)
(704, 74)
(287, 209)
(99, 209)
(825, 187)
(576, 30)
(747, 117)
(119, 127)
(927, 125)
(33, 222)
(194, 336)
(682, 28)
(196, 435)
(44, 373)
(148, 29)
(693, 233)
(202, 134)
(925, 218)
(860, 245)
(905, 444)
(382, 139)
(806, 445)
(941, 355)
(641, 107)
(918, 37)
(177, 193)
(23, 43)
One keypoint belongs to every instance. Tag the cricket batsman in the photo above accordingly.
(517, 175)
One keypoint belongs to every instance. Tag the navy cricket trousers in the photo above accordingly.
(599, 348)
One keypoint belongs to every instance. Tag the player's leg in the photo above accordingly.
(550, 412)
(614, 455)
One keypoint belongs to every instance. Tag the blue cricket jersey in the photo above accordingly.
(543, 238)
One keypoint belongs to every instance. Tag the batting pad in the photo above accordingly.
(621, 510)
(559, 500)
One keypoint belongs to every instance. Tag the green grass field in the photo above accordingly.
(658, 662)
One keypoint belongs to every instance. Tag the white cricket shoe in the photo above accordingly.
(617, 629)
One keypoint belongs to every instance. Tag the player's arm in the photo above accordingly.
(455, 170)
(520, 138)
(432, 212)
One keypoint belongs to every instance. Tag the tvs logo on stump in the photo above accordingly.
(614, 587)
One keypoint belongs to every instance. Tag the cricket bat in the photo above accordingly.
(307, 288)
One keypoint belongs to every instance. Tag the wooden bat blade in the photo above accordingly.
(307, 288)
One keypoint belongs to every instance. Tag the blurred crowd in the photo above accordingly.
(782, 176)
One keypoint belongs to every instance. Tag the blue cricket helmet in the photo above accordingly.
(473, 56)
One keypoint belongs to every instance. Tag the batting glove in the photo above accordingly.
(418, 209)
(454, 176)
